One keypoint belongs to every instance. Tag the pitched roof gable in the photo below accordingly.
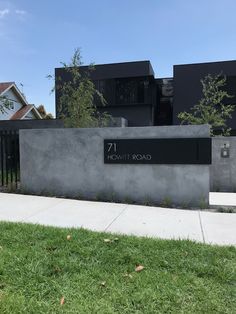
(20, 114)
(26, 108)
(5, 85)
(11, 85)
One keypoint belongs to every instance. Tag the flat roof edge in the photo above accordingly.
(112, 63)
(200, 63)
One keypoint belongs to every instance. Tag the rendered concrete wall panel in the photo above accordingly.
(223, 170)
(70, 162)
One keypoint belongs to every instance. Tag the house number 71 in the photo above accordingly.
(111, 146)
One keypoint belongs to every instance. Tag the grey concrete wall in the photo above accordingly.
(223, 170)
(70, 162)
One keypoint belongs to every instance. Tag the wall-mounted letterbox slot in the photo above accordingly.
(225, 150)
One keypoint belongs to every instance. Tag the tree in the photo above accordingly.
(77, 97)
(4, 104)
(212, 108)
(41, 109)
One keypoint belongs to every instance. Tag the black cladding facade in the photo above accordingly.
(188, 88)
(132, 91)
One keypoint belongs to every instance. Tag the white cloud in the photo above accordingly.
(3, 13)
(20, 12)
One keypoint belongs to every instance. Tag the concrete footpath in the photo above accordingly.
(166, 223)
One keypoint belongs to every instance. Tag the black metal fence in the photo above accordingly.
(9, 160)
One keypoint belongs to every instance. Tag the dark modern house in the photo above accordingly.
(134, 94)
(188, 88)
(131, 92)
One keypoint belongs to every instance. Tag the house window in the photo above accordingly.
(105, 87)
(130, 91)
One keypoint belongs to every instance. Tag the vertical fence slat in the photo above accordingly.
(4, 158)
(16, 157)
(1, 154)
(9, 159)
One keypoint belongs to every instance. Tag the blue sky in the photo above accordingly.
(35, 36)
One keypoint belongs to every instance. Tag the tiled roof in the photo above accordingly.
(5, 85)
(20, 113)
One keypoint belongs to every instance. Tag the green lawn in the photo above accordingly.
(39, 266)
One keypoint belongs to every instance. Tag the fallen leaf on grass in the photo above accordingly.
(139, 268)
(62, 301)
(103, 284)
(57, 269)
(107, 240)
(128, 275)
(111, 240)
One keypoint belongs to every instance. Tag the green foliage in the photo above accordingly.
(41, 109)
(203, 204)
(39, 266)
(167, 202)
(211, 109)
(4, 104)
(224, 209)
(76, 106)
